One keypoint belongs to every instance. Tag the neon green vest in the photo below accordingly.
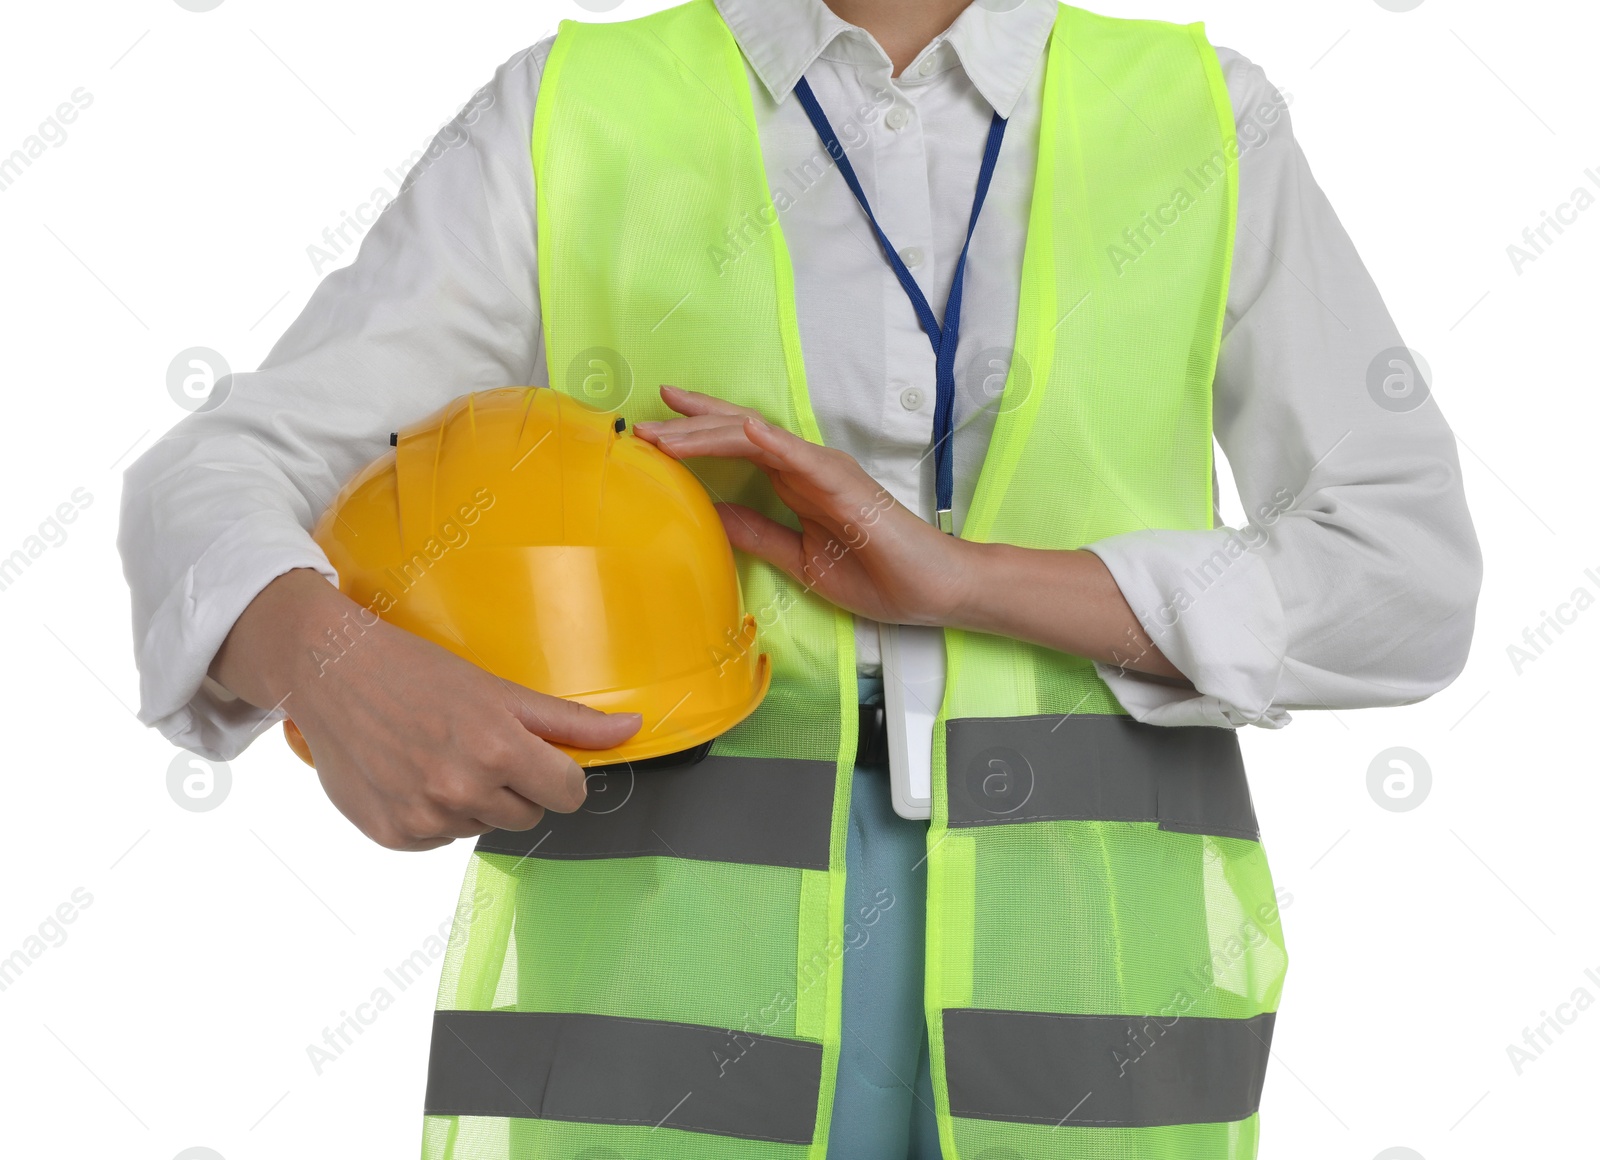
(658, 976)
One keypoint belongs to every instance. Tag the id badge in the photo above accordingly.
(912, 657)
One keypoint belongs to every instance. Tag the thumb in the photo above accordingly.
(568, 722)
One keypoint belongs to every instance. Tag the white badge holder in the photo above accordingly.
(913, 689)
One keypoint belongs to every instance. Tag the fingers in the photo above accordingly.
(410, 845)
(770, 448)
(453, 828)
(508, 810)
(542, 773)
(786, 451)
(650, 430)
(721, 436)
(814, 480)
(672, 431)
(433, 748)
(694, 403)
(499, 777)
(542, 776)
(567, 722)
(750, 531)
(711, 426)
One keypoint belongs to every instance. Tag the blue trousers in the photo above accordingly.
(883, 1101)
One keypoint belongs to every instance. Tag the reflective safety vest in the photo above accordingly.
(657, 976)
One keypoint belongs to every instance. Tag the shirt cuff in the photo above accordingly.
(1208, 602)
(175, 694)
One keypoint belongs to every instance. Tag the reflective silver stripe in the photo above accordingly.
(598, 1069)
(754, 810)
(1095, 767)
(1126, 1071)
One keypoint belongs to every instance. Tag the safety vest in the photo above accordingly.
(658, 976)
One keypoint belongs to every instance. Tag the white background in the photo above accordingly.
(178, 1009)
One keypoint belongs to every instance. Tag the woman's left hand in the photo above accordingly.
(857, 546)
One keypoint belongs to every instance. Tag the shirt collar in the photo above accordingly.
(998, 49)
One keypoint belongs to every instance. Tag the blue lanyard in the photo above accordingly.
(944, 336)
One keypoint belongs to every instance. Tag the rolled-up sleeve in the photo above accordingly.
(440, 300)
(1353, 579)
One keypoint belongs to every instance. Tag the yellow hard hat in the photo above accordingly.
(539, 540)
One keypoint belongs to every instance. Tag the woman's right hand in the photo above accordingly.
(414, 745)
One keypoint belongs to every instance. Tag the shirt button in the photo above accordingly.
(911, 256)
(897, 117)
(911, 399)
(927, 66)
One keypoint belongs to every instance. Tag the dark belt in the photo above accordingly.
(872, 742)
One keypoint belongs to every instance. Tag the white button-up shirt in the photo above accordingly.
(1353, 584)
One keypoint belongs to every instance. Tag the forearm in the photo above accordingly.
(273, 646)
(1064, 600)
